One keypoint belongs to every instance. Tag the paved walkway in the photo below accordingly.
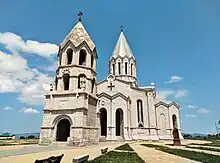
(150, 155)
(31, 153)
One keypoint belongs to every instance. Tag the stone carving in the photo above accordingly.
(83, 83)
(66, 71)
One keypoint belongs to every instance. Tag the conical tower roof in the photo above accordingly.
(77, 35)
(122, 48)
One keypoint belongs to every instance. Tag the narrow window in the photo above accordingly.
(92, 60)
(82, 57)
(131, 69)
(113, 69)
(66, 81)
(69, 56)
(60, 59)
(93, 84)
(140, 113)
(56, 82)
(126, 68)
(119, 68)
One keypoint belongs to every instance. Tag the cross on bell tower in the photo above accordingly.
(121, 27)
(80, 14)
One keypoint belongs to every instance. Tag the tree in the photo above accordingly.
(31, 137)
(22, 137)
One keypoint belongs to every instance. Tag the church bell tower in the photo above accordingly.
(122, 63)
(72, 96)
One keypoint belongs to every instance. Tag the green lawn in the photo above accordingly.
(204, 148)
(18, 142)
(197, 156)
(214, 144)
(118, 157)
(124, 147)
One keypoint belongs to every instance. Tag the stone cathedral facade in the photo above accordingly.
(80, 110)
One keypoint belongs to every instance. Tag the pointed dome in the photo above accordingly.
(77, 35)
(122, 48)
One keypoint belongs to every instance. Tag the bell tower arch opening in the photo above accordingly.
(82, 57)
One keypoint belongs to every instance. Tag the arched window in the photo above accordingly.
(69, 56)
(82, 57)
(56, 82)
(66, 81)
(126, 68)
(132, 69)
(119, 68)
(93, 84)
(140, 113)
(113, 69)
(81, 81)
(92, 60)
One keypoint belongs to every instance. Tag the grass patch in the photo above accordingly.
(193, 155)
(204, 148)
(213, 144)
(18, 142)
(118, 157)
(124, 147)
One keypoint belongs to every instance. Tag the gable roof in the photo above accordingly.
(167, 105)
(77, 35)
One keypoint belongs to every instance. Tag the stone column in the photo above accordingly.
(152, 116)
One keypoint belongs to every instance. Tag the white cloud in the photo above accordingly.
(191, 115)
(8, 108)
(29, 111)
(167, 94)
(192, 106)
(180, 93)
(163, 95)
(203, 111)
(33, 92)
(16, 76)
(174, 79)
(15, 42)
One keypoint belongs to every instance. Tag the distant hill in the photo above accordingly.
(37, 135)
(196, 134)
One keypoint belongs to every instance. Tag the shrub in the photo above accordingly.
(22, 137)
(31, 137)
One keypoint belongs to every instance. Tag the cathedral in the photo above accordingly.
(80, 110)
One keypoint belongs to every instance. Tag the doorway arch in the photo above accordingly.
(119, 129)
(63, 130)
(103, 121)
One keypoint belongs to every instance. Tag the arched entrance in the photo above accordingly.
(103, 121)
(63, 130)
(119, 122)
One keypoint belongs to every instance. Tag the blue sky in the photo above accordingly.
(175, 43)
